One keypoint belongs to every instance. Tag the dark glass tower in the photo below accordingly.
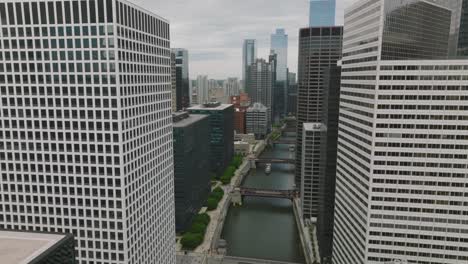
(319, 49)
(331, 100)
(191, 166)
(221, 133)
(183, 93)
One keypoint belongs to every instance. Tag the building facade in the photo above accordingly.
(191, 166)
(221, 133)
(73, 135)
(319, 49)
(279, 46)
(249, 55)
(401, 162)
(322, 13)
(239, 120)
(174, 81)
(183, 92)
(256, 119)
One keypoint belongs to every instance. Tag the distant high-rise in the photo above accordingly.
(183, 93)
(86, 127)
(249, 55)
(402, 145)
(319, 49)
(203, 91)
(191, 166)
(292, 78)
(221, 133)
(279, 46)
(322, 13)
(261, 76)
(231, 87)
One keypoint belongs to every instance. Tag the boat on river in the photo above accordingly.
(268, 168)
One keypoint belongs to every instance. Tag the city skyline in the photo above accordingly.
(160, 132)
(216, 38)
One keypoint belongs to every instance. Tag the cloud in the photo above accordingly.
(213, 30)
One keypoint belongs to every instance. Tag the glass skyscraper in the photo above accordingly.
(182, 82)
(249, 55)
(279, 46)
(322, 13)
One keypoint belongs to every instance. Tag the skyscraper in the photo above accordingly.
(249, 55)
(261, 76)
(183, 92)
(203, 92)
(401, 162)
(328, 152)
(76, 155)
(279, 46)
(322, 13)
(319, 49)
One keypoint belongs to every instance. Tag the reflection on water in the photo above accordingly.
(265, 227)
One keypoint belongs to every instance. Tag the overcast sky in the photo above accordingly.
(213, 30)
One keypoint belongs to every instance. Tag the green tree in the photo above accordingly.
(225, 180)
(202, 218)
(191, 240)
(212, 203)
(218, 190)
(217, 196)
(198, 228)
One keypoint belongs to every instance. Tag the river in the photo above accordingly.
(264, 228)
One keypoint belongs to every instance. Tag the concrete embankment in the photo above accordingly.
(239, 175)
(309, 252)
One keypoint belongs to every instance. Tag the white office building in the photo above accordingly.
(256, 120)
(402, 143)
(86, 127)
(313, 138)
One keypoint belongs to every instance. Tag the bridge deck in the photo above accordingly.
(289, 194)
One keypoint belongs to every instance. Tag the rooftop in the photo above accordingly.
(24, 247)
(184, 119)
(214, 107)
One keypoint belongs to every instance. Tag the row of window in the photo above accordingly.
(415, 77)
